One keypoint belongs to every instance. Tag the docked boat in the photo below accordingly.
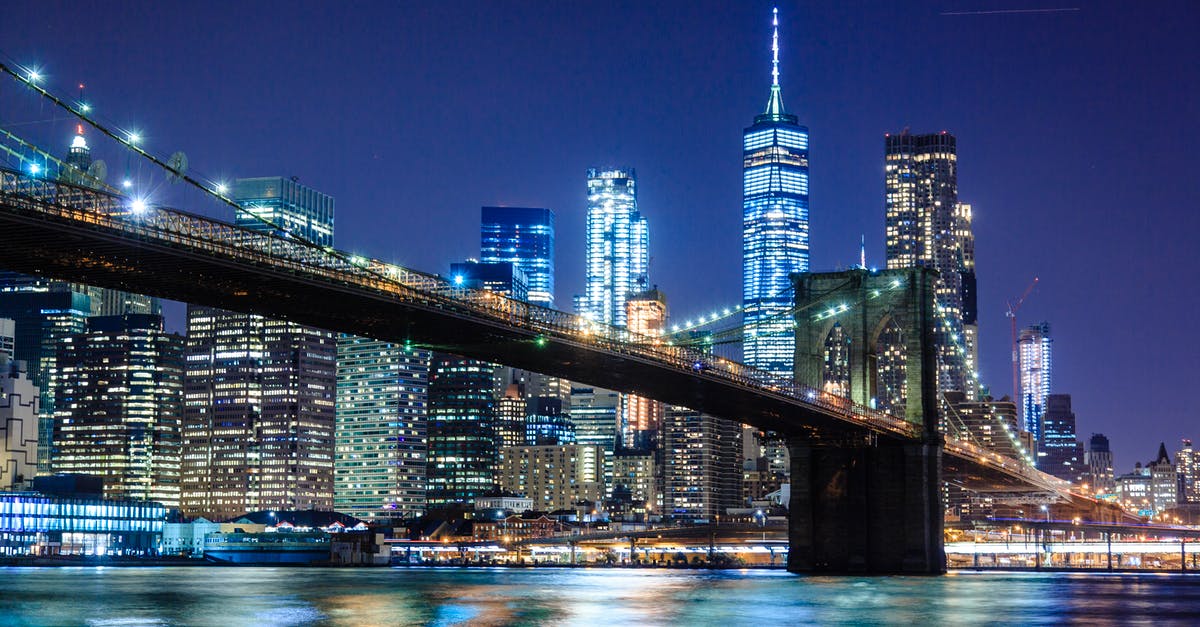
(269, 547)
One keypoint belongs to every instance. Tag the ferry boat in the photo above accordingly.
(269, 547)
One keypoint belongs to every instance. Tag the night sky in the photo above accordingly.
(1077, 138)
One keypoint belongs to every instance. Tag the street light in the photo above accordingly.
(1047, 510)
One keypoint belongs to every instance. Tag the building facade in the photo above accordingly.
(641, 418)
(1099, 461)
(461, 430)
(775, 233)
(1060, 452)
(380, 449)
(1189, 473)
(555, 477)
(703, 474)
(119, 408)
(524, 237)
(618, 246)
(1034, 362)
(18, 425)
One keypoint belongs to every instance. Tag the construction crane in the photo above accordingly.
(1012, 317)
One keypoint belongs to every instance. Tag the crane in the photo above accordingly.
(1012, 316)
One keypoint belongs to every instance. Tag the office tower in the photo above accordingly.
(461, 430)
(595, 414)
(634, 482)
(18, 425)
(990, 422)
(510, 418)
(641, 418)
(1033, 350)
(618, 246)
(1189, 473)
(260, 393)
(775, 236)
(524, 237)
(927, 226)
(556, 477)
(703, 472)
(1099, 461)
(546, 423)
(118, 407)
(41, 319)
(1060, 453)
(382, 405)
(8, 337)
(501, 277)
(1164, 481)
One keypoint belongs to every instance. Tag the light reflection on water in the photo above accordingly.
(126, 597)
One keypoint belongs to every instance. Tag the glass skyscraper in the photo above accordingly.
(287, 204)
(774, 226)
(1033, 349)
(523, 237)
(618, 246)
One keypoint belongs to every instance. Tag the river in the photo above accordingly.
(449, 596)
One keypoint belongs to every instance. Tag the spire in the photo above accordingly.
(775, 111)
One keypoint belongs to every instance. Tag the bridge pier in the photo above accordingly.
(871, 507)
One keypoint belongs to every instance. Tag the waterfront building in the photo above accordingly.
(554, 476)
(927, 226)
(517, 526)
(618, 246)
(41, 319)
(1099, 462)
(461, 430)
(32, 523)
(18, 425)
(775, 231)
(1034, 362)
(260, 393)
(1189, 473)
(381, 410)
(524, 237)
(635, 482)
(1060, 452)
(703, 471)
(1151, 489)
(595, 414)
(500, 505)
(118, 407)
(641, 418)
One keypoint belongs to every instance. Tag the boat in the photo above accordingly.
(281, 546)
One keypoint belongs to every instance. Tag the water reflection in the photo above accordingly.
(304, 596)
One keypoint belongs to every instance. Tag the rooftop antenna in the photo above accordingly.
(775, 48)
(862, 251)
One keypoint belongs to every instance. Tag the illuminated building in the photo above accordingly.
(927, 226)
(595, 414)
(259, 394)
(775, 235)
(545, 423)
(1060, 453)
(40, 524)
(1150, 489)
(703, 472)
(618, 246)
(40, 320)
(510, 418)
(523, 237)
(8, 337)
(554, 476)
(1189, 473)
(382, 404)
(1033, 350)
(461, 430)
(118, 407)
(501, 277)
(1099, 461)
(641, 418)
(990, 422)
(18, 424)
(634, 481)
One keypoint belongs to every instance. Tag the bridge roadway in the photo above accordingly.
(84, 235)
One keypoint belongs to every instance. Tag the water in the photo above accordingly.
(596, 597)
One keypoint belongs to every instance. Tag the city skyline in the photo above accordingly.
(1097, 411)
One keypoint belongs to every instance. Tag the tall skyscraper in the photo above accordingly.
(18, 425)
(775, 236)
(462, 430)
(641, 418)
(703, 474)
(523, 237)
(595, 414)
(618, 246)
(260, 393)
(927, 226)
(1189, 473)
(1033, 350)
(41, 319)
(118, 407)
(382, 406)
(1059, 452)
(1099, 460)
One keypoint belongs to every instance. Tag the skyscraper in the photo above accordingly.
(641, 418)
(775, 236)
(1059, 452)
(523, 237)
(118, 407)
(595, 414)
(382, 406)
(260, 393)
(8, 337)
(927, 226)
(618, 246)
(1189, 473)
(1033, 350)
(1099, 460)
(461, 430)
(703, 474)
(18, 425)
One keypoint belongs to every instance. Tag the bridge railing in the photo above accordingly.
(282, 251)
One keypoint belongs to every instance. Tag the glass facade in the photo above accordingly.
(382, 405)
(461, 430)
(523, 237)
(1060, 452)
(33, 524)
(1034, 353)
(775, 234)
(286, 204)
(618, 246)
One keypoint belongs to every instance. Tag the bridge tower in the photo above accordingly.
(868, 504)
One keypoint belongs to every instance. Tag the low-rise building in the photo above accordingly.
(32, 523)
